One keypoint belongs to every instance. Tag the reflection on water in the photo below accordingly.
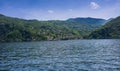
(70, 55)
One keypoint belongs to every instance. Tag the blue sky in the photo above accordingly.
(60, 9)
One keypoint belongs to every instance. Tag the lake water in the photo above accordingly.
(68, 55)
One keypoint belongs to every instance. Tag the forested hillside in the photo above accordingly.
(15, 29)
(86, 25)
(109, 30)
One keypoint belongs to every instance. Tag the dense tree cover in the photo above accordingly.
(88, 20)
(15, 29)
(83, 25)
(108, 31)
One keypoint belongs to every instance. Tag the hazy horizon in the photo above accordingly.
(60, 9)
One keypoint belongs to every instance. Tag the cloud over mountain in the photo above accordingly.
(94, 5)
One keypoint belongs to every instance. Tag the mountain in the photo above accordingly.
(109, 30)
(88, 20)
(15, 29)
(85, 25)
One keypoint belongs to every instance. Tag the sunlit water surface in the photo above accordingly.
(69, 55)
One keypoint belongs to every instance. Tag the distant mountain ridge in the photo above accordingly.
(88, 20)
(15, 29)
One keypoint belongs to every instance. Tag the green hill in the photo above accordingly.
(85, 25)
(109, 30)
(15, 29)
(88, 20)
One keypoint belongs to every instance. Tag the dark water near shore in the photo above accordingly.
(69, 55)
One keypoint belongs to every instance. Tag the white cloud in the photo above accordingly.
(70, 10)
(94, 5)
(50, 11)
